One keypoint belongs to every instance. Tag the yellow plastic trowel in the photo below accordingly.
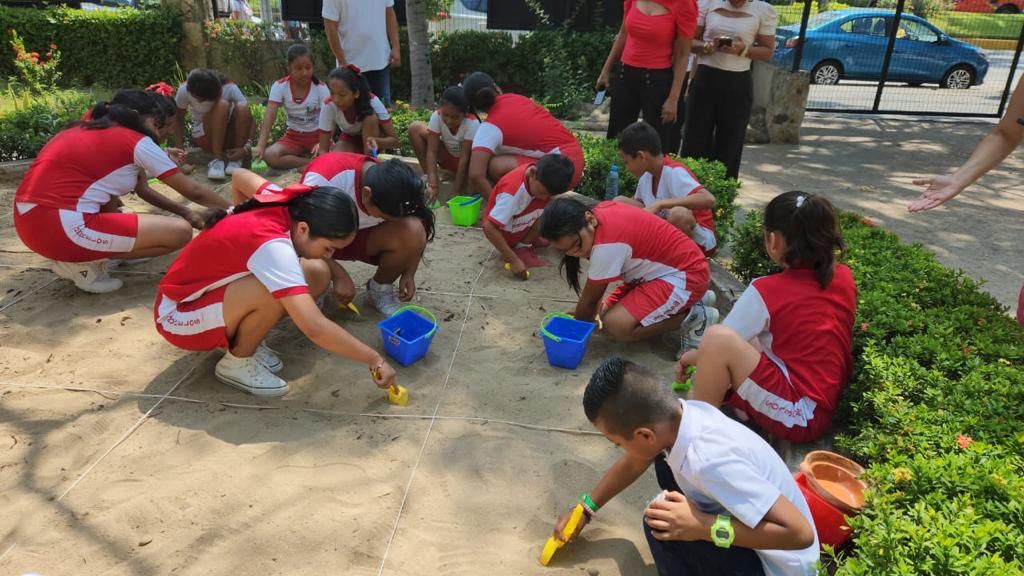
(553, 544)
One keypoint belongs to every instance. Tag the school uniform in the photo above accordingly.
(351, 127)
(805, 333)
(662, 269)
(725, 468)
(344, 170)
(186, 101)
(511, 207)
(302, 116)
(189, 308)
(520, 127)
(677, 181)
(448, 155)
(57, 205)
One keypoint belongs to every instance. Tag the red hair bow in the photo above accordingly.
(353, 68)
(273, 194)
(161, 88)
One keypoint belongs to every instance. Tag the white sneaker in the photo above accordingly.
(232, 166)
(215, 170)
(249, 375)
(383, 298)
(697, 321)
(88, 276)
(268, 358)
(709, 299)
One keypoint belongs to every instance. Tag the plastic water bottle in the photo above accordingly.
(611, 189)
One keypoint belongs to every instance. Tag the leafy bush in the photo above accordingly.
(280, 124)
(599, 154)
(115, 48)
(246, 52)
(923, 8)
(935, 408)
(25, 130)
(35, 74)
(402, 115)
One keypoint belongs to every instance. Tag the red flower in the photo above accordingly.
(963, 441)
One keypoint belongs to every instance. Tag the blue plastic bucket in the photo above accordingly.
(407, 334)
(565, 339)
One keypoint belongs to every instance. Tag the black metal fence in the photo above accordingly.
(944, 62)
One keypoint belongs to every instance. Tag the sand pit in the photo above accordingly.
(122, 455)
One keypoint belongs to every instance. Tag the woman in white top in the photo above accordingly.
(730, 33)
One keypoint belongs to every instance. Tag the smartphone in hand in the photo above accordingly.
(724, 42)
(599, 98)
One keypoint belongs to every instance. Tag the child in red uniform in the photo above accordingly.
(666, 187)
(302, 95)
(663, 271)
(445, 141)
(247, 269)
(514, 208)
(364, 122)
(789, 380)
(66, 208)
(517, 131)
(221, 121)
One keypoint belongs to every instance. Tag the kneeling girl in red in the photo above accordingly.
(783, 354)
(364, 122)
(65, 208)
(664, 273)
(514, 208)
(265, 258)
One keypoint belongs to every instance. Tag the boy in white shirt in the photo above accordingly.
(730, 505)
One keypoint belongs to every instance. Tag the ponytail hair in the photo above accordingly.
(809, 225)
(128, 108)
(398, 192)
(328, 211)
(455, 96)
(480, 92)
(564, 216)
(296, 51)
(356, 82)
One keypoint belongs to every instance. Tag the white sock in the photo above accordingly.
(378, 287)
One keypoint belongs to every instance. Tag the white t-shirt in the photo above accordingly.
(761, 20)
(724, 467)
(230, 92)
(331, 116)
(363, 31)
(300, 115)
(453, 142)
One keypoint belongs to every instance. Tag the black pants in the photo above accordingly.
(697, 558)
(644, 90)
(718, 111)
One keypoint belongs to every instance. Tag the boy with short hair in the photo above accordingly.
(517, 201)
(667, 187)
(730, 507)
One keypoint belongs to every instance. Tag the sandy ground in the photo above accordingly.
(121, 455)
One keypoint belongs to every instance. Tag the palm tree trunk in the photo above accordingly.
(419, 53)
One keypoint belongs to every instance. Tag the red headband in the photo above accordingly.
(161, 88)
(353, 68)
(273, 194)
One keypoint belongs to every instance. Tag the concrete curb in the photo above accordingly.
(15, 167)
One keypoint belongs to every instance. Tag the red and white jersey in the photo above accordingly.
(256, 242)
(677, 181)
(520, 126)
(185, 101)
(331, 116)
(453, 142)
(636, 246)
(82, 169)
(511, 207)
(342, 170)
(300, 115)
(804, 329)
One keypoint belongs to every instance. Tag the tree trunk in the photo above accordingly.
(419, 53)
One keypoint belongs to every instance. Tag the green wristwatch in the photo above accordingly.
(722, 533)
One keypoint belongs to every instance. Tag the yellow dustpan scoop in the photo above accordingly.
(553, 544)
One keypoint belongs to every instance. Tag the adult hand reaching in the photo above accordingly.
(940, 189)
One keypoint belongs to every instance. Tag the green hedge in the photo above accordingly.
(24, 130)
(124, 47)
(935, 410)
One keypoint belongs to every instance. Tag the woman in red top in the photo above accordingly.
(654, 46)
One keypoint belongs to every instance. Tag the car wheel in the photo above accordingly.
(827, 73)
(1008, 9)
(960, 77)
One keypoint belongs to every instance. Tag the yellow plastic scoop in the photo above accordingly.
(351, 306)
(398, 395)
(525, 275)
(553, 544)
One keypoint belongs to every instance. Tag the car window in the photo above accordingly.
(914, 30)
(868, 26)
(823, 18)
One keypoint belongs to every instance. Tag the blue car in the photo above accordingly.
(850, 45)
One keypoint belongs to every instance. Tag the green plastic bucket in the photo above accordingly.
(465, 209)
